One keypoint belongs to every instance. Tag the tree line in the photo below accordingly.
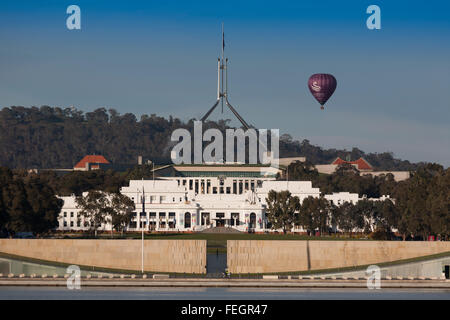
(418, 207)
(29, 202)
(48, 137)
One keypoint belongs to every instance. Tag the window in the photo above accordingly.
(162, 199)
(187, 220)
(78, 223)
(133, 224)
(71, 223)
(71, 214)
(65, 223)
(65, 214)
(152, 199)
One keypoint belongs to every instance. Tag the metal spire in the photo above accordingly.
(222, 86)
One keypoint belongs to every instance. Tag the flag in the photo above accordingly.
(223, 40)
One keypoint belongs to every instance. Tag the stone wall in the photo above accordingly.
(187, 256)
(264, 256)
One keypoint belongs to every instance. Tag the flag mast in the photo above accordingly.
(222, 86)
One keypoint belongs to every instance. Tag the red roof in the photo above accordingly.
(361, 164)
(91, 159)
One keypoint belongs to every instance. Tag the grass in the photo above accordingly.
(217, 241)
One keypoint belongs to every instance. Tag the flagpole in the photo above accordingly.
(221, 62)
(142, 229)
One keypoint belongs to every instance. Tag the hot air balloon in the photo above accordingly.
(322, 86)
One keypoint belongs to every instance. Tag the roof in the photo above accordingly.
(91, 159)
(360, 163)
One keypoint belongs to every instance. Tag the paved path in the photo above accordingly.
(227, 283)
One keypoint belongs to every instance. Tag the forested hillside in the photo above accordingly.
(49, 137)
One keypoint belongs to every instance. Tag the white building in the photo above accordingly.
(202, 197)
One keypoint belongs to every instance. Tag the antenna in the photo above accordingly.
(222, 86)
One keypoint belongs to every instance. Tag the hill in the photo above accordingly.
(48, 137)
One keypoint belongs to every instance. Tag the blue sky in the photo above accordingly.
(160, 57)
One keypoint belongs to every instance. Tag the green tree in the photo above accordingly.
(27, 203)
(95, 208)
(281, 209)
(121, 211)
(344, 216)
(315, 213)
(300, 170)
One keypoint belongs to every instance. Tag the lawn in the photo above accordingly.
(218, 241)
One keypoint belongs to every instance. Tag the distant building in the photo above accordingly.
(91, 162)
(360, 164)
(363, 166)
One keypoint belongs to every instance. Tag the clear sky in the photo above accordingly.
(161, 57)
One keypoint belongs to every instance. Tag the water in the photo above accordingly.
(93, 293)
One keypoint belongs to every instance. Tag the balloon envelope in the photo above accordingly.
(322, 86)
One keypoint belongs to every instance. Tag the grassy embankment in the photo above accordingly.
(216, 242)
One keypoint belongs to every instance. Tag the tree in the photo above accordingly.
(386, 216)
(422, 202)
(49, 137)
(281, 209)
(364, 215)
(95, 208)
(322, 214)
(121, 211)
(315, 214)
(27, 203)
(344, 216)
(299, 170)
(43, 203)
(5, 180)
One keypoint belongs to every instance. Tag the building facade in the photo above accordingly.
(202, 197)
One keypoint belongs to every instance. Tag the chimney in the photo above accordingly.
(140, 160)
(87, 166)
